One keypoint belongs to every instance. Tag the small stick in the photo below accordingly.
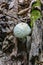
(23, 11)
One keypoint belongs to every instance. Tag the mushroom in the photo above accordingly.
(21, 30)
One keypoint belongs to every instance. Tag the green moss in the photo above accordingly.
(35, 14)
(37, 3)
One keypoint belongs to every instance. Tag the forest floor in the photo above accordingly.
(17, 51)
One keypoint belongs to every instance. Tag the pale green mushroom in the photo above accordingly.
(21, 30)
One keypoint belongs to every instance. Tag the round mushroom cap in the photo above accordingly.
(22, 30)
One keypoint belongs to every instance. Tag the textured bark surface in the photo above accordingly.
(36, 45)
